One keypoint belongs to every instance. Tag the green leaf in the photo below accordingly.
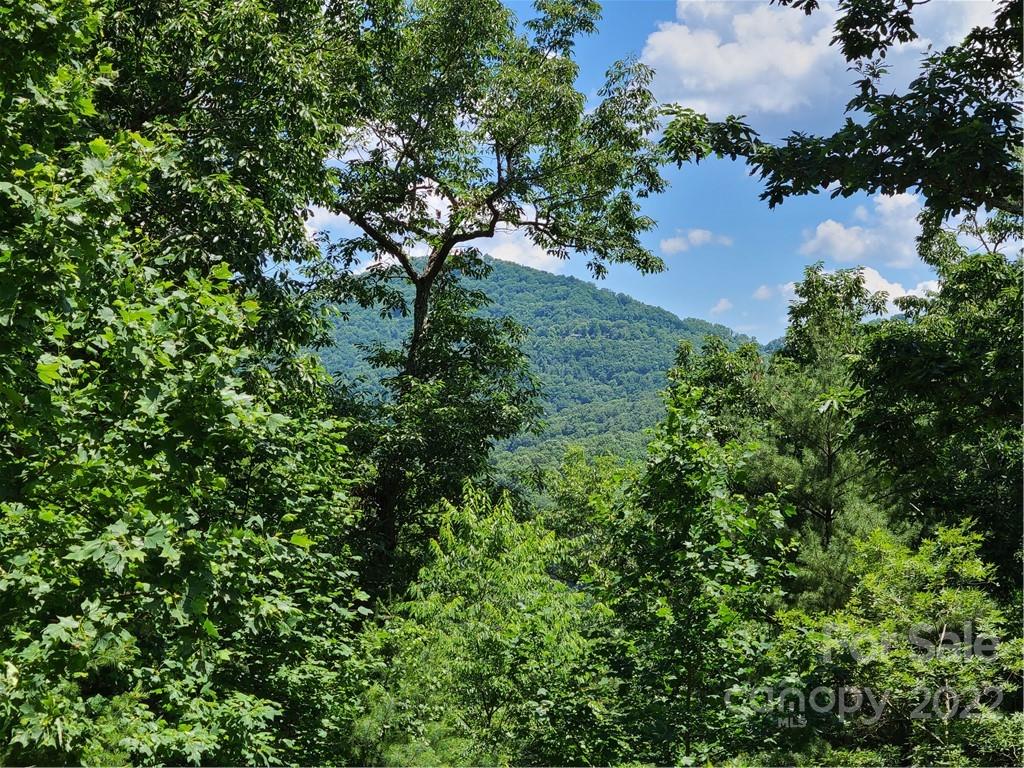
(48, 369)
(25, 195)
(99, 147)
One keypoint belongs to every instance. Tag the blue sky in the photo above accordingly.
(730, 258)
(774, 65)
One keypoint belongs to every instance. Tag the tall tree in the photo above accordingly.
(176, 580)
(942, 405)
(257, 95)
(427, 434)
(800, 407)
(470, 125)
(697, 568)
(815, 416)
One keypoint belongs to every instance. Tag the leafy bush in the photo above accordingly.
(491, 660)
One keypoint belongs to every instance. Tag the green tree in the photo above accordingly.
(697, 570)
(800, 407)
(587, 494)
(922, 658)
(734, 386)
(491, 660)
(258, 95)
(176, 580)
(942, 407)
(470, 124)
(427, 434)
(815, 414)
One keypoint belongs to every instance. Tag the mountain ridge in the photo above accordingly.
(601, 357)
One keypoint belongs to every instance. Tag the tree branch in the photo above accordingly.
(386, 243)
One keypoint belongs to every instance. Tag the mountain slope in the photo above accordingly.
(601, 357)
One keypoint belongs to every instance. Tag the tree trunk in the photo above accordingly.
(420, 315)
(378, 575)
(388, 490)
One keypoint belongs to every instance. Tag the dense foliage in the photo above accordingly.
(212, 552)
(949, 411)
(492, 660)
(176, 569)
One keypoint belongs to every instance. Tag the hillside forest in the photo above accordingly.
(599, 359)
(270, 496)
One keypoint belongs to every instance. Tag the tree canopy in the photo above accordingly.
(471, 124)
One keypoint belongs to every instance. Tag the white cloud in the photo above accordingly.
(723, 56)
(703, 8)
(889, 233)
(947, 23)
(874, 281)
(722, 305)
(896, 205)
(837, 240)
(515, 246)
(785, 291)
(684, 239)
(700, 236)
(673, 245)
(320, 220)
(718, 60)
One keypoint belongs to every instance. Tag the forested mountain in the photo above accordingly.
(600, 356)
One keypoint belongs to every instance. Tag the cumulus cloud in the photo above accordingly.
(888, 233)
(719, 59)
(684, 239)
(947, 23)
(722, 56)
(513, 245)
(703, 8)
(837, 240)
(673, 245)
(874, 281)
(322, 221)
(722, 305)
(786, 291)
